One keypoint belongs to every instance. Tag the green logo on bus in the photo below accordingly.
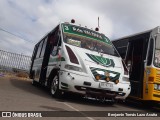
(101, 60)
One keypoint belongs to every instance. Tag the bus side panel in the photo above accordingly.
(149, 92)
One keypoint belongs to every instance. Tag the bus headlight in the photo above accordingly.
(158, 87)
(74, 68)
(155, 86)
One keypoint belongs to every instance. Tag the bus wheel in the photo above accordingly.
(55, 92)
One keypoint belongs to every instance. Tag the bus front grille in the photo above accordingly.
(158, 78)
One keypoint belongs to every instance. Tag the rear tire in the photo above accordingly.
(54, 88)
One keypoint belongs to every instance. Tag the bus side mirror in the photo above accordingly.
(59, 48)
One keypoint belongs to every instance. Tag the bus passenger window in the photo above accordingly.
(44, 47)
(34, 52)
(39, 49)
(56, 44)
(150, 53)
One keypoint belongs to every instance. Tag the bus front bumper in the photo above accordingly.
(85, 85)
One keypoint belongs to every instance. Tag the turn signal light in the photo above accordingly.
(107, 79)
(117, 81)
(97, 77)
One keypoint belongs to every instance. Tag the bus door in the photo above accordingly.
(31, 75)
(37, 61)
(134, 57)
(51, 46)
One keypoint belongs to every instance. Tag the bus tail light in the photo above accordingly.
(72, 56)
(125, 68)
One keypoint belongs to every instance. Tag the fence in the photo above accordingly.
(9, 60)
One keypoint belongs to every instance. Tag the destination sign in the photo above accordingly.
(72, 29)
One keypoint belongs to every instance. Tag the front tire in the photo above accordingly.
(54, 89)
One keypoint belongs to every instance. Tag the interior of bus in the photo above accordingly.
(133, 50)
(135, 59)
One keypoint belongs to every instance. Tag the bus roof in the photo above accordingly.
(68, 24)
(155, 30)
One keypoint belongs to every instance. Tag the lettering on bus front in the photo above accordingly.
(85, 32)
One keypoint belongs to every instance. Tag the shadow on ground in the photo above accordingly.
(26, 86)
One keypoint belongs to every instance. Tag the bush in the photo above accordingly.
(22, 74)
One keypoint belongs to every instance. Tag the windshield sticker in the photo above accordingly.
(74, 42)
(101, 60)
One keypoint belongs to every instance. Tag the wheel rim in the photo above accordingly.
(54, 85)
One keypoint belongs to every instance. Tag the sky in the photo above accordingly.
(24, 22)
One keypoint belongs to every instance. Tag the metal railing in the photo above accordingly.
(9, 60)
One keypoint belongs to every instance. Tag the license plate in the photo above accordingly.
(105, 85)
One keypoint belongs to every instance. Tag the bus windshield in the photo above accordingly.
(157, 53)
(88, 39)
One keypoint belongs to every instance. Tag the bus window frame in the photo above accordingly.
(154, 58)
(45, 40)
(39, 49)
(57, 35)
(34, 52)
(149, 60)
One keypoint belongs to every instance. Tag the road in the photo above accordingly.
(19, 95)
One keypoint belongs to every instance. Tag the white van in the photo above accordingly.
(73, 58)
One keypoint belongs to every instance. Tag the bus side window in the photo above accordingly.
(56, 43)
(44, 47)
(34, 53)
(55, 48)
(39, 49)
(150, 53)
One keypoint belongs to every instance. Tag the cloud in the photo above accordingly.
(33, 19)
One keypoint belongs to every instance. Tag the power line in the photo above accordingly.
(16, 35)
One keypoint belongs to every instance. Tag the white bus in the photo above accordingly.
(71, 58)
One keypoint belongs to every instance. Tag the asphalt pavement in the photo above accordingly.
(18, 95)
